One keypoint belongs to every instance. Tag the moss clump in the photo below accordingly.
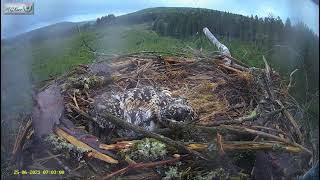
(172, 173)
(218, 173)
(59, 144)
(83, 82)
(148, 149)
(92, 81)
(277, 147)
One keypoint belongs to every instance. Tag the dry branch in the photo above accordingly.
(250, 145)
(20, 140)
(228, 146)
(142, 166)
(291, 79)
(248, 118)
(292, 121)
(241, 129)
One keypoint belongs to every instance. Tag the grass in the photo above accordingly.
(51, 57)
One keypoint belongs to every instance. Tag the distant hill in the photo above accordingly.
(61, 29)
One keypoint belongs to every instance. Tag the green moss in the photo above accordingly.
(59, 144)
(218, 173)
(83, 82)
(277, 147)
(172, 173)
(148, 149)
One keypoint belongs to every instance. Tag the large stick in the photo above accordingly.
(224, 51)
(221, 47)
(226, 145)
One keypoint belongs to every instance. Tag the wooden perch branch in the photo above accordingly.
(224, 51)
(221, 47)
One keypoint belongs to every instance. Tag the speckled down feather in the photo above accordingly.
(142, 107)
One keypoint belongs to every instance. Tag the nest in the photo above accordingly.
(238, 115)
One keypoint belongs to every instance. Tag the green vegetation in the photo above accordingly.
(148, 149)
(52, 57)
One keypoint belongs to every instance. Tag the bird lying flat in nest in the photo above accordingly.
(141, 106)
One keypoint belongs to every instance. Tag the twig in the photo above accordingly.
(47, 158)
(142, 166)
(263, 134)
(291, 79)
(66, 168)
(268, 69)
(20, 140)
(220, 144)
(291, 120)
(248, 118)
(269, 129)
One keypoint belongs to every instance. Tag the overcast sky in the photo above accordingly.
(48, 12)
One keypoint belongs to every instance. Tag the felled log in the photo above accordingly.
(74, 141)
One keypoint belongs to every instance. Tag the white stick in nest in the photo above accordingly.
(221, 47)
